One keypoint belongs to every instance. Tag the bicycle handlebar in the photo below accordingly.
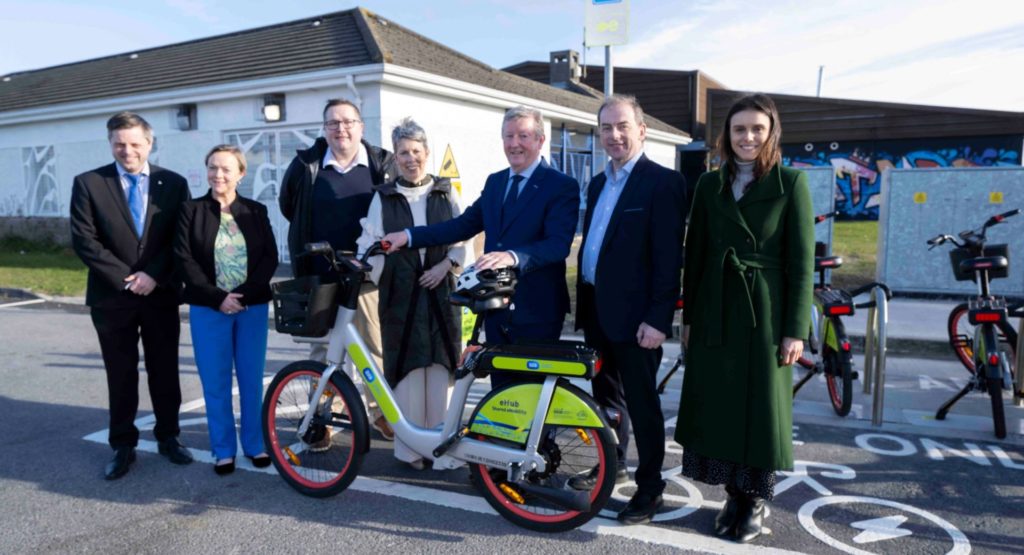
(822, 217)
(998, 218)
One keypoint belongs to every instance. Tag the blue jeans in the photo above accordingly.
(221, 341)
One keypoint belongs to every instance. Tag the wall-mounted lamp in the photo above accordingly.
(185, 119)
(273, 107)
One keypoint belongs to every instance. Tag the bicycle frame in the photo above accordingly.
(345, 340)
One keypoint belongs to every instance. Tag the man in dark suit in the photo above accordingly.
(123, 217)
(528, 212)
(629, 268)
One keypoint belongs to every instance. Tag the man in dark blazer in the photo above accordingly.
(123, 218)
(528, 212)
(629, 268)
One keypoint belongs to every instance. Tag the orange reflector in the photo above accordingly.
(512, 494)
(597, 366)
(584, 436)
(993, 359)
(985, 317)
(292, 456)
(845, 346)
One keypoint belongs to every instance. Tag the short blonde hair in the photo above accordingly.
(227, 148)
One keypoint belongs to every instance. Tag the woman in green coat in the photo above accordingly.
(748, 286)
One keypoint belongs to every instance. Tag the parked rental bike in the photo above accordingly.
(986, 342)
(831, 353)
(523, 442)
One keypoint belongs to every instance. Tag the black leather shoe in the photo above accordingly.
(726, 518)
(260, 461)
(118, 466)
(750, 518)
(174, 451)
(586, 482)
(641, 508)
(223, 469)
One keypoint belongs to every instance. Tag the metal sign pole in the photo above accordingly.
(608, 81)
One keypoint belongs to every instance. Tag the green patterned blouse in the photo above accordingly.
(229, 254)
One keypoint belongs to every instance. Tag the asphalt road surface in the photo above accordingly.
(913, 485)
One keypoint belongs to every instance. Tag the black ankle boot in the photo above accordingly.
(726, 518)
(750, 517)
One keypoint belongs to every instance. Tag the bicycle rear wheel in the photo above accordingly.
(323, 461)
(569, 452)
(838, 367)
(961, 337)
(995, 393)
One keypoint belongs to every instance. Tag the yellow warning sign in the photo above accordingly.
(449, 169)
(920, 198)
(995, 197)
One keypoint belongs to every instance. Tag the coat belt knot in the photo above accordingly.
(748, 266)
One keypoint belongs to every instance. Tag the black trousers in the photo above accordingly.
(119, 330)
(628, 383)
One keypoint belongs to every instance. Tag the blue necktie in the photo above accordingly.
(135, 202)
(510, 197)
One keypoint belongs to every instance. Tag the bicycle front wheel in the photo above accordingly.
(995, 393)
(325, 459)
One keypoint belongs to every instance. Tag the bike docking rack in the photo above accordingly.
(1018, 393)
(875, 349)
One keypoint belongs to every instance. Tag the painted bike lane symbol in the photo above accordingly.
(876, 531)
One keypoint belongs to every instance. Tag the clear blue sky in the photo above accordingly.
(967, 53)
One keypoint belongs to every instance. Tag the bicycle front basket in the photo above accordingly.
(958, 255)
(304, 306)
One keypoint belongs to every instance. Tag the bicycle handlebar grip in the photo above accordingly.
(322, 247)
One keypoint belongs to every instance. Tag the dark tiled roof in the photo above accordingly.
(295, 47)
(342, 39)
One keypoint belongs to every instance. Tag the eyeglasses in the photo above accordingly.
(334, 124)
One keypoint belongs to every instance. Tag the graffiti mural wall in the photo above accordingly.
(859, 164)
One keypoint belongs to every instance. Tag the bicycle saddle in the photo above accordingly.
(984, 263)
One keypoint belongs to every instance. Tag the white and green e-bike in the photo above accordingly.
(522, 442)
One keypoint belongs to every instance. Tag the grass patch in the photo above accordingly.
(40, 267)
(857, 243)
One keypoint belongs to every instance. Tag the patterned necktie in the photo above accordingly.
(511, 197)
(135, 201)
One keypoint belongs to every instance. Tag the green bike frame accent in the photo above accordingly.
(828, 335)
(509, 413)
(539, 366)
(372, 381)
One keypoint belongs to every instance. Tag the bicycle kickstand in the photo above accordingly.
(941, 414)
(664, 381)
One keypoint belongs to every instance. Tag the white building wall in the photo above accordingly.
(39, 159)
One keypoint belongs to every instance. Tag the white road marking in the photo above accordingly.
(22, 303)
(961, 545)
(880, 529)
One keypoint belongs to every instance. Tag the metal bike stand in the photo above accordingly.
(874, 354)
(878, 403)
(1018, 394)
(869, 347)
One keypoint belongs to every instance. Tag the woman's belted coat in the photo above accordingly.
(748, 282)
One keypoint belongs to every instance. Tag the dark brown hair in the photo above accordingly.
(771, 151)
(341, 102)
(127, 120)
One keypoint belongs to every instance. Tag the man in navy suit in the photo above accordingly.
(123, 219)
(528, 213)
(629, 267)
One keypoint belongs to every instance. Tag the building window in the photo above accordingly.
(268, 153)
(573, 152)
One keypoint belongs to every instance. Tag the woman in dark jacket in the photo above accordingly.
(748, 285)
(419, 329)
(226, 255)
